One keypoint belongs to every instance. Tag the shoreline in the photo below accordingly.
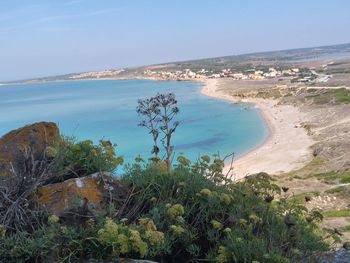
(270, 155)
(286, 148)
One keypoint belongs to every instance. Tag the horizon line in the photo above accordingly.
(171, 62)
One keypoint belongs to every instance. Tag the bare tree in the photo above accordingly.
(159, 113)
(167, 105)
(148, 108)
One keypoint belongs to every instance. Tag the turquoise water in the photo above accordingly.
(106, 109)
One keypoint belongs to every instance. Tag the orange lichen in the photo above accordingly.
(36, 137)
(60, 196)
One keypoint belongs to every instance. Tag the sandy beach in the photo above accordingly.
(288, 146)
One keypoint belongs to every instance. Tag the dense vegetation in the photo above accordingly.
(72, 159)
(193, 213)
(183, 212)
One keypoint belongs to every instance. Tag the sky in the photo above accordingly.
(50, 37)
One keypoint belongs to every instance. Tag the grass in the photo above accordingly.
(266, 94)
(341, 191)
(337, 213)
(333, 176)
(315, 164)
(345, 178)
(345, 228)
(337, 190)
(336, 96)
(300, 198)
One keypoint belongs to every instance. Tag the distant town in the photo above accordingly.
(295, 74)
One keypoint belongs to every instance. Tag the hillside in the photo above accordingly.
(282, 58)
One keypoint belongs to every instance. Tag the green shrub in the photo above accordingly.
(105, 241)
(76, 159)
(333, 176)
(192, 213)
(335, 96)
(345, 178)
(300, 198)
(219, 220)
(337, 213)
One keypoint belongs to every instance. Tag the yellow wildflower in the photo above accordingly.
(153, 200)
(123, 243)
(227, 230)
(147, 224)
(205, 158)
(216, 224)
(53, 219)
(155, 237)
(64, 230)
(296, 251)
(177, 229)
(51, 152)
(175, 211)
(109, 232)
(180, 220)
(206, 192)
(255, 219)
(223, 255)
(225, 198)
(137, 244)
(242, 222)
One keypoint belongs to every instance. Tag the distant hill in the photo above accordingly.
(269, 57)
(236, 62)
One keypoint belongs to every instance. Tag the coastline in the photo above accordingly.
(287, 146)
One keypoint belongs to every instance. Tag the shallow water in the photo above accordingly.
(106, 109)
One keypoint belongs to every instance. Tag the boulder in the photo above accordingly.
(81, 197)
(34, 138)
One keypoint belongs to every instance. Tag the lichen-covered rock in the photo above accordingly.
(34, 138)
(85, 196)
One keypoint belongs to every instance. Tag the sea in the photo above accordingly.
(106, 109)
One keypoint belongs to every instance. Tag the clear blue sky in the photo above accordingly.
(49, 37)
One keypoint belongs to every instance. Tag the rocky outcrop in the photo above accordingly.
(81, 197)
(72, 200)
(34, 138)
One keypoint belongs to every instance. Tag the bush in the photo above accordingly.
(204, 216)
(76, 159)
(193, 213)
(104, 241)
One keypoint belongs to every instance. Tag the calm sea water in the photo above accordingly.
(325, 57)
(106, 109)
